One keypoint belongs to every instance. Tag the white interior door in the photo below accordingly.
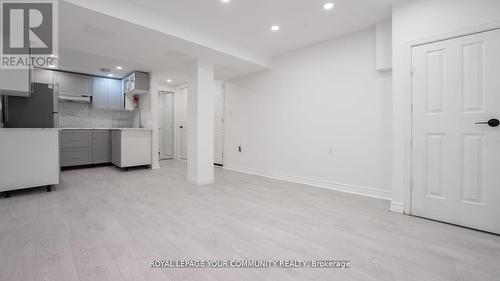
(166, 125)
(218, 122)
(182, 122)
(456, 84)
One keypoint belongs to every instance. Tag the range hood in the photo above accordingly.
(75, 98)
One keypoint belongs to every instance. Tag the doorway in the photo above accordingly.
(456, 132)
(166, 128)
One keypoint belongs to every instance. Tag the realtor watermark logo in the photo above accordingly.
(29, 34)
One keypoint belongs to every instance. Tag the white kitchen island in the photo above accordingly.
(131, 147)
(28, 158)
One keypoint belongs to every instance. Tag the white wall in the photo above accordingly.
(316, 98)
(383, 46)
(416, 20)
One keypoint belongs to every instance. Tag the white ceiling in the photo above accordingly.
(246, 23)
(164, 35)
(89, 40)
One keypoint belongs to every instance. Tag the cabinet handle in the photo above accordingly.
(75, 139)
(75, 156)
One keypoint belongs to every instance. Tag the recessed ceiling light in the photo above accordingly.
(275, 28)
(119, 67)
(110, 75)
(226, 1)
(328, 6)
(169, 80)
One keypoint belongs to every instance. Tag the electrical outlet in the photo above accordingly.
(331, 151)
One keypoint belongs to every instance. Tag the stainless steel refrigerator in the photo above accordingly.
(39, 110)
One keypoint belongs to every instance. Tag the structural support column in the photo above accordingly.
(200, 124)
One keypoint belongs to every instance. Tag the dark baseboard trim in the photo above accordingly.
(85, 166)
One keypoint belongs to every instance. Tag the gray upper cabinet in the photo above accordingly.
(74, 84)
(136, 83)
(115, 94)
(108, 94)
(100, 97)
(101, 146)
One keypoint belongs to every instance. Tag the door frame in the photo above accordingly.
(403, 132)
(162, 92)
(223, 85)
(177, 112)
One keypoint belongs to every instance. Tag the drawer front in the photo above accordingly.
(76, 139)
(76, 157)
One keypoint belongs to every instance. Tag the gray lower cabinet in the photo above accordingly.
(101, 146)
(76, 148)
(116, 148)
(85, 147)
(76, 157)
(76, 139)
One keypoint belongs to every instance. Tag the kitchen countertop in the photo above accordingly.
(28, 129)
(111, 129)
(60, 129)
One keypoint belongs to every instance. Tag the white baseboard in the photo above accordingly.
(397, 208)
(353, 189)
(201, 182)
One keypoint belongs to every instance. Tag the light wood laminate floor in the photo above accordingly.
(104, 224)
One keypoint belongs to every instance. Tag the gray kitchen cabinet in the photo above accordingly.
(136, 83)
(115, 95)
(116, 147)
(76, 157)
(85, 147)
(108, 94)
(101, 147)
(74, 83)
(76, 148)
(100, 97)
(76, 139)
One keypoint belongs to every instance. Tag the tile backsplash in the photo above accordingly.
(82, 115)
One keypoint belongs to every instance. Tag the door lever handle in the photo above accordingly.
(491, 123)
